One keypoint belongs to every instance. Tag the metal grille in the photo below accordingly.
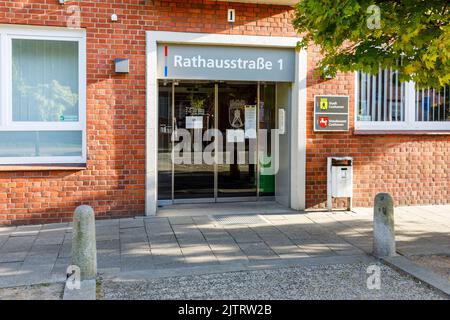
(240, 219)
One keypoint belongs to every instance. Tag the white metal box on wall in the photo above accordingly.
(339, 179)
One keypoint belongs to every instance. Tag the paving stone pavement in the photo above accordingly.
(332, 281)
(41, 253)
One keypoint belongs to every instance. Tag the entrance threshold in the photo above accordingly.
(231, 208)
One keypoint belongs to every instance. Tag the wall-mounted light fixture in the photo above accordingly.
(114, 17)
(61, 1)
(231, 15)
(122, 65)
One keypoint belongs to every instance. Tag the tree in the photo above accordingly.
(411, 36)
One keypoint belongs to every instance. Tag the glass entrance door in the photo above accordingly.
(194, 112)
(231, 123)
(236, 171)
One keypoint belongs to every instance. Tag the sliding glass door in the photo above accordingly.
(216, 141)
(236, 171)
(194, 106)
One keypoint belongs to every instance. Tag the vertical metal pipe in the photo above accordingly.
(402, 99)
(445, 104)
(368, 104)
(402, 95)
(380, 102)
(432, 106)
(363, 102)
(374, 97)
(390, 94)
(439, 106)
(423, 106)
(385, 96)
(396, 95)
(416, 104)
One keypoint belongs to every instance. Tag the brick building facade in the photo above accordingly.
(413, 166)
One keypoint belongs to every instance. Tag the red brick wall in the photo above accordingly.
(113, 182)
(414, 169)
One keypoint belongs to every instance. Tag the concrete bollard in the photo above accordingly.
(383, 226)
(84, 247)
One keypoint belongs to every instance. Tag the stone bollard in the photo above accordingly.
(84, 247)
(383, 226)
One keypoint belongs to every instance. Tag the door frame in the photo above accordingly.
(298, 106)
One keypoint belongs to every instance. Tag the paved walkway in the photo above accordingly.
(41, 253)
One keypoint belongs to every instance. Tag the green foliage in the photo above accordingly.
(415, 32)
(196, 102)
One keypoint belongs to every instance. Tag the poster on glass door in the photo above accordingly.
(194, 122)
(250, 121)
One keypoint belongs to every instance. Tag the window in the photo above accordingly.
(432, 105)
(385, 103)
(42, 95)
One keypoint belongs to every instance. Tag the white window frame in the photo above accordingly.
(410, 123)
(7, 34)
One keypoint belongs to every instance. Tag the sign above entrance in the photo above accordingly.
(203, 62)
(331, 113)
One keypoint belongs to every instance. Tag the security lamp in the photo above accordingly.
(61, 1)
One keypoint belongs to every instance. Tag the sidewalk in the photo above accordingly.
(37, 254)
